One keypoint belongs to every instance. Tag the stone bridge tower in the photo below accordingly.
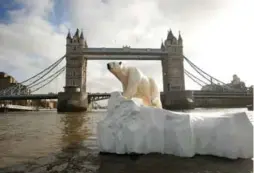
(173, 74)
(74, 97)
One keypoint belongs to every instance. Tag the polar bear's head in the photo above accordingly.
(114, 67)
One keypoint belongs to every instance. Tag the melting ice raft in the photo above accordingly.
(132, 128)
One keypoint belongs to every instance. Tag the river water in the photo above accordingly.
(25, 136)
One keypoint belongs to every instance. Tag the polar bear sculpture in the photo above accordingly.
(135, 84)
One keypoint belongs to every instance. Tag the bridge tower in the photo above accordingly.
(74, 97)
(173, 74)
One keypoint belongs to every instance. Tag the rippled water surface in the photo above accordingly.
(28, 135)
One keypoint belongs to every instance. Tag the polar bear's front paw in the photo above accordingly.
(156, 103)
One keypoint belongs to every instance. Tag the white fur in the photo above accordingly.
(136, 84)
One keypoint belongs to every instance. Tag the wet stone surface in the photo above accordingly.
(79, 159)
(72, 159)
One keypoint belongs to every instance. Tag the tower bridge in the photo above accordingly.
(78, 53)
(75, 96)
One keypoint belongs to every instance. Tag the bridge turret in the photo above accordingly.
(180, 40)
(81, 36)
(75, 43)
(85, 44)
(170, 35)
(172, 64)
(82, 40)
(180, 44)
(76, 35)
(173, 74)
(162, 46)
(68, 38)
(171, 42)
(74, 95)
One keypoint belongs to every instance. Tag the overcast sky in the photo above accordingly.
(217, 35)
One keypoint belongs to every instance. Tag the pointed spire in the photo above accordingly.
(179, 36)
(77, 33)
(162, 45)
(170, 35)
(86, 46)
(180, 40)
(81, 35)
(69, 34)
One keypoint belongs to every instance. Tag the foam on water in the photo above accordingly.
(130, 127)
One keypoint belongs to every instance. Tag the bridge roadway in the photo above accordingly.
(125, 53)
(100, 96)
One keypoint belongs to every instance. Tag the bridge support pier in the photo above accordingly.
(72, 101)
(177, 100)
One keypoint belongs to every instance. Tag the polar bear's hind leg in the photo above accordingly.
(147, 101)
(155, 94)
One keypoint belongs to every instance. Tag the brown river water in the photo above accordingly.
(25, 136)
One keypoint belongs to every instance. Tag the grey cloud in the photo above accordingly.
(29, 44)
(143, 23)
(114, 23)
(190, 9)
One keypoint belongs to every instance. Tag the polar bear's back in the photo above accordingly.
(147, 85)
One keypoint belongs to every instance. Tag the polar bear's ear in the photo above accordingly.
(120, 63)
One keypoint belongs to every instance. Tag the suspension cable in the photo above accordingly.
(39, 77)
(194, 80)
(44, 74)
(51, 67)
(224, 84)
(47, 82)
(59, 71)
(203, 71)
(186, 71)
(57, 62)
(6, 90)
(35, 84)
(198, 71)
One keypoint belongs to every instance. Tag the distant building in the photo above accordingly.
(45, 103)
(7, 81)
(235, 85)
